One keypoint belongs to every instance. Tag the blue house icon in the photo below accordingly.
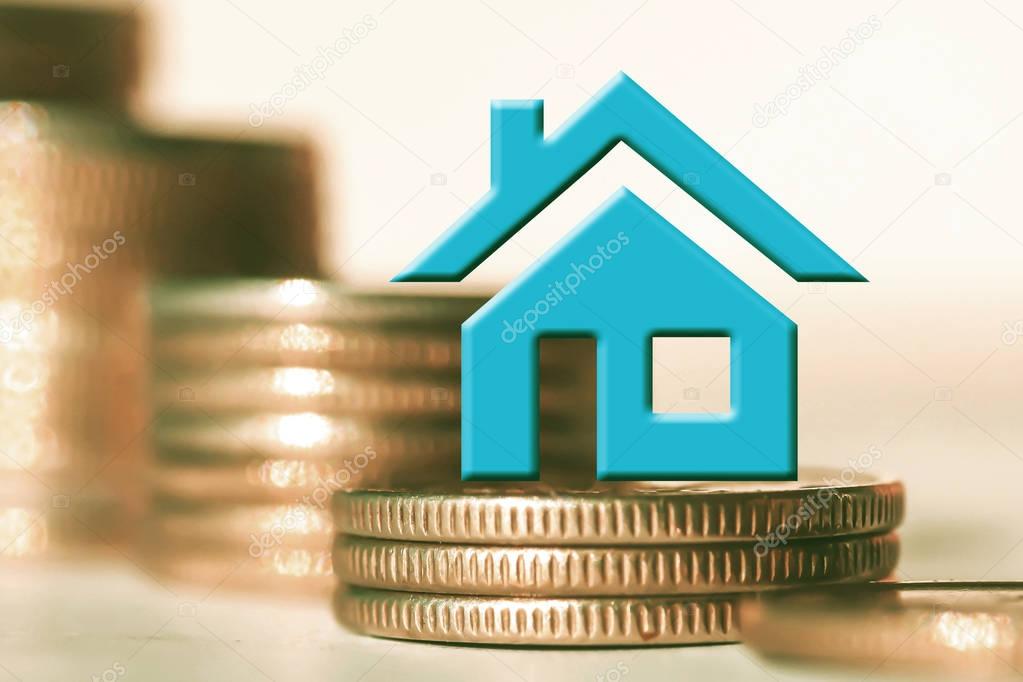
(625, 276)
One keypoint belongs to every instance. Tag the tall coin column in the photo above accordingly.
(75, 198)
(283, 393)
(288, 391)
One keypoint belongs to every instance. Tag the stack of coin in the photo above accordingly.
(74, 197)
(273, 395)
(604, 565)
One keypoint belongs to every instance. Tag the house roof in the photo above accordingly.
(528, 171)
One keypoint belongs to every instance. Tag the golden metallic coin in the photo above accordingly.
(214, 477)
(257, 527)
(310, 389)
(25, 532)
(590, 622)
(302, 300)
(299, 389)
(261, 481)
(308, 344)
(609, 571)
(819, 505)
(280, 570)
(46, 523)
(216, 344)
(301, 436)
(204, 439)
(964, 629)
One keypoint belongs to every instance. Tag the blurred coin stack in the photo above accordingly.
(275, 395)
(234, 209)
(74, 200)
(606, 565)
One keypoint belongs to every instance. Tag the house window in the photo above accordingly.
(691, 375)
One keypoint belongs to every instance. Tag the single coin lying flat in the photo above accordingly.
(972, 628)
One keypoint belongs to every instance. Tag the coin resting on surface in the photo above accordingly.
(267, 480)
(288, 525)
(326, 391)
(594, 621)
(306, 388)
(308, 344)
(285, 300)
(594, 571)
(818, 505)
(292, 570)
(251, 436)
(967, 626)
(303, 435)
(215, 343)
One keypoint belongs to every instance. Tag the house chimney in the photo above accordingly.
(516, 133)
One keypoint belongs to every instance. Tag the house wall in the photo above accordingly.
(612, 277)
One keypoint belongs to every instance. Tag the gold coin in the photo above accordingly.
(314, 436)
(308, 344)
(256, 527)
(216, 344)
(769, 513)
(287, 300)
(608, 571)
(301, 436)
(212, 477)
(48, 524)
(591, 622)
(972, 628)
(25, 532)
(282, 570)
(260, 481)
(300, 389)
(311, 389)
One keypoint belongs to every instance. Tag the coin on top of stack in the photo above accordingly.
(274, 394)
(604, 565)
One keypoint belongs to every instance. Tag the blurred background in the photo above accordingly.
(891, 129)
(897, 146)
